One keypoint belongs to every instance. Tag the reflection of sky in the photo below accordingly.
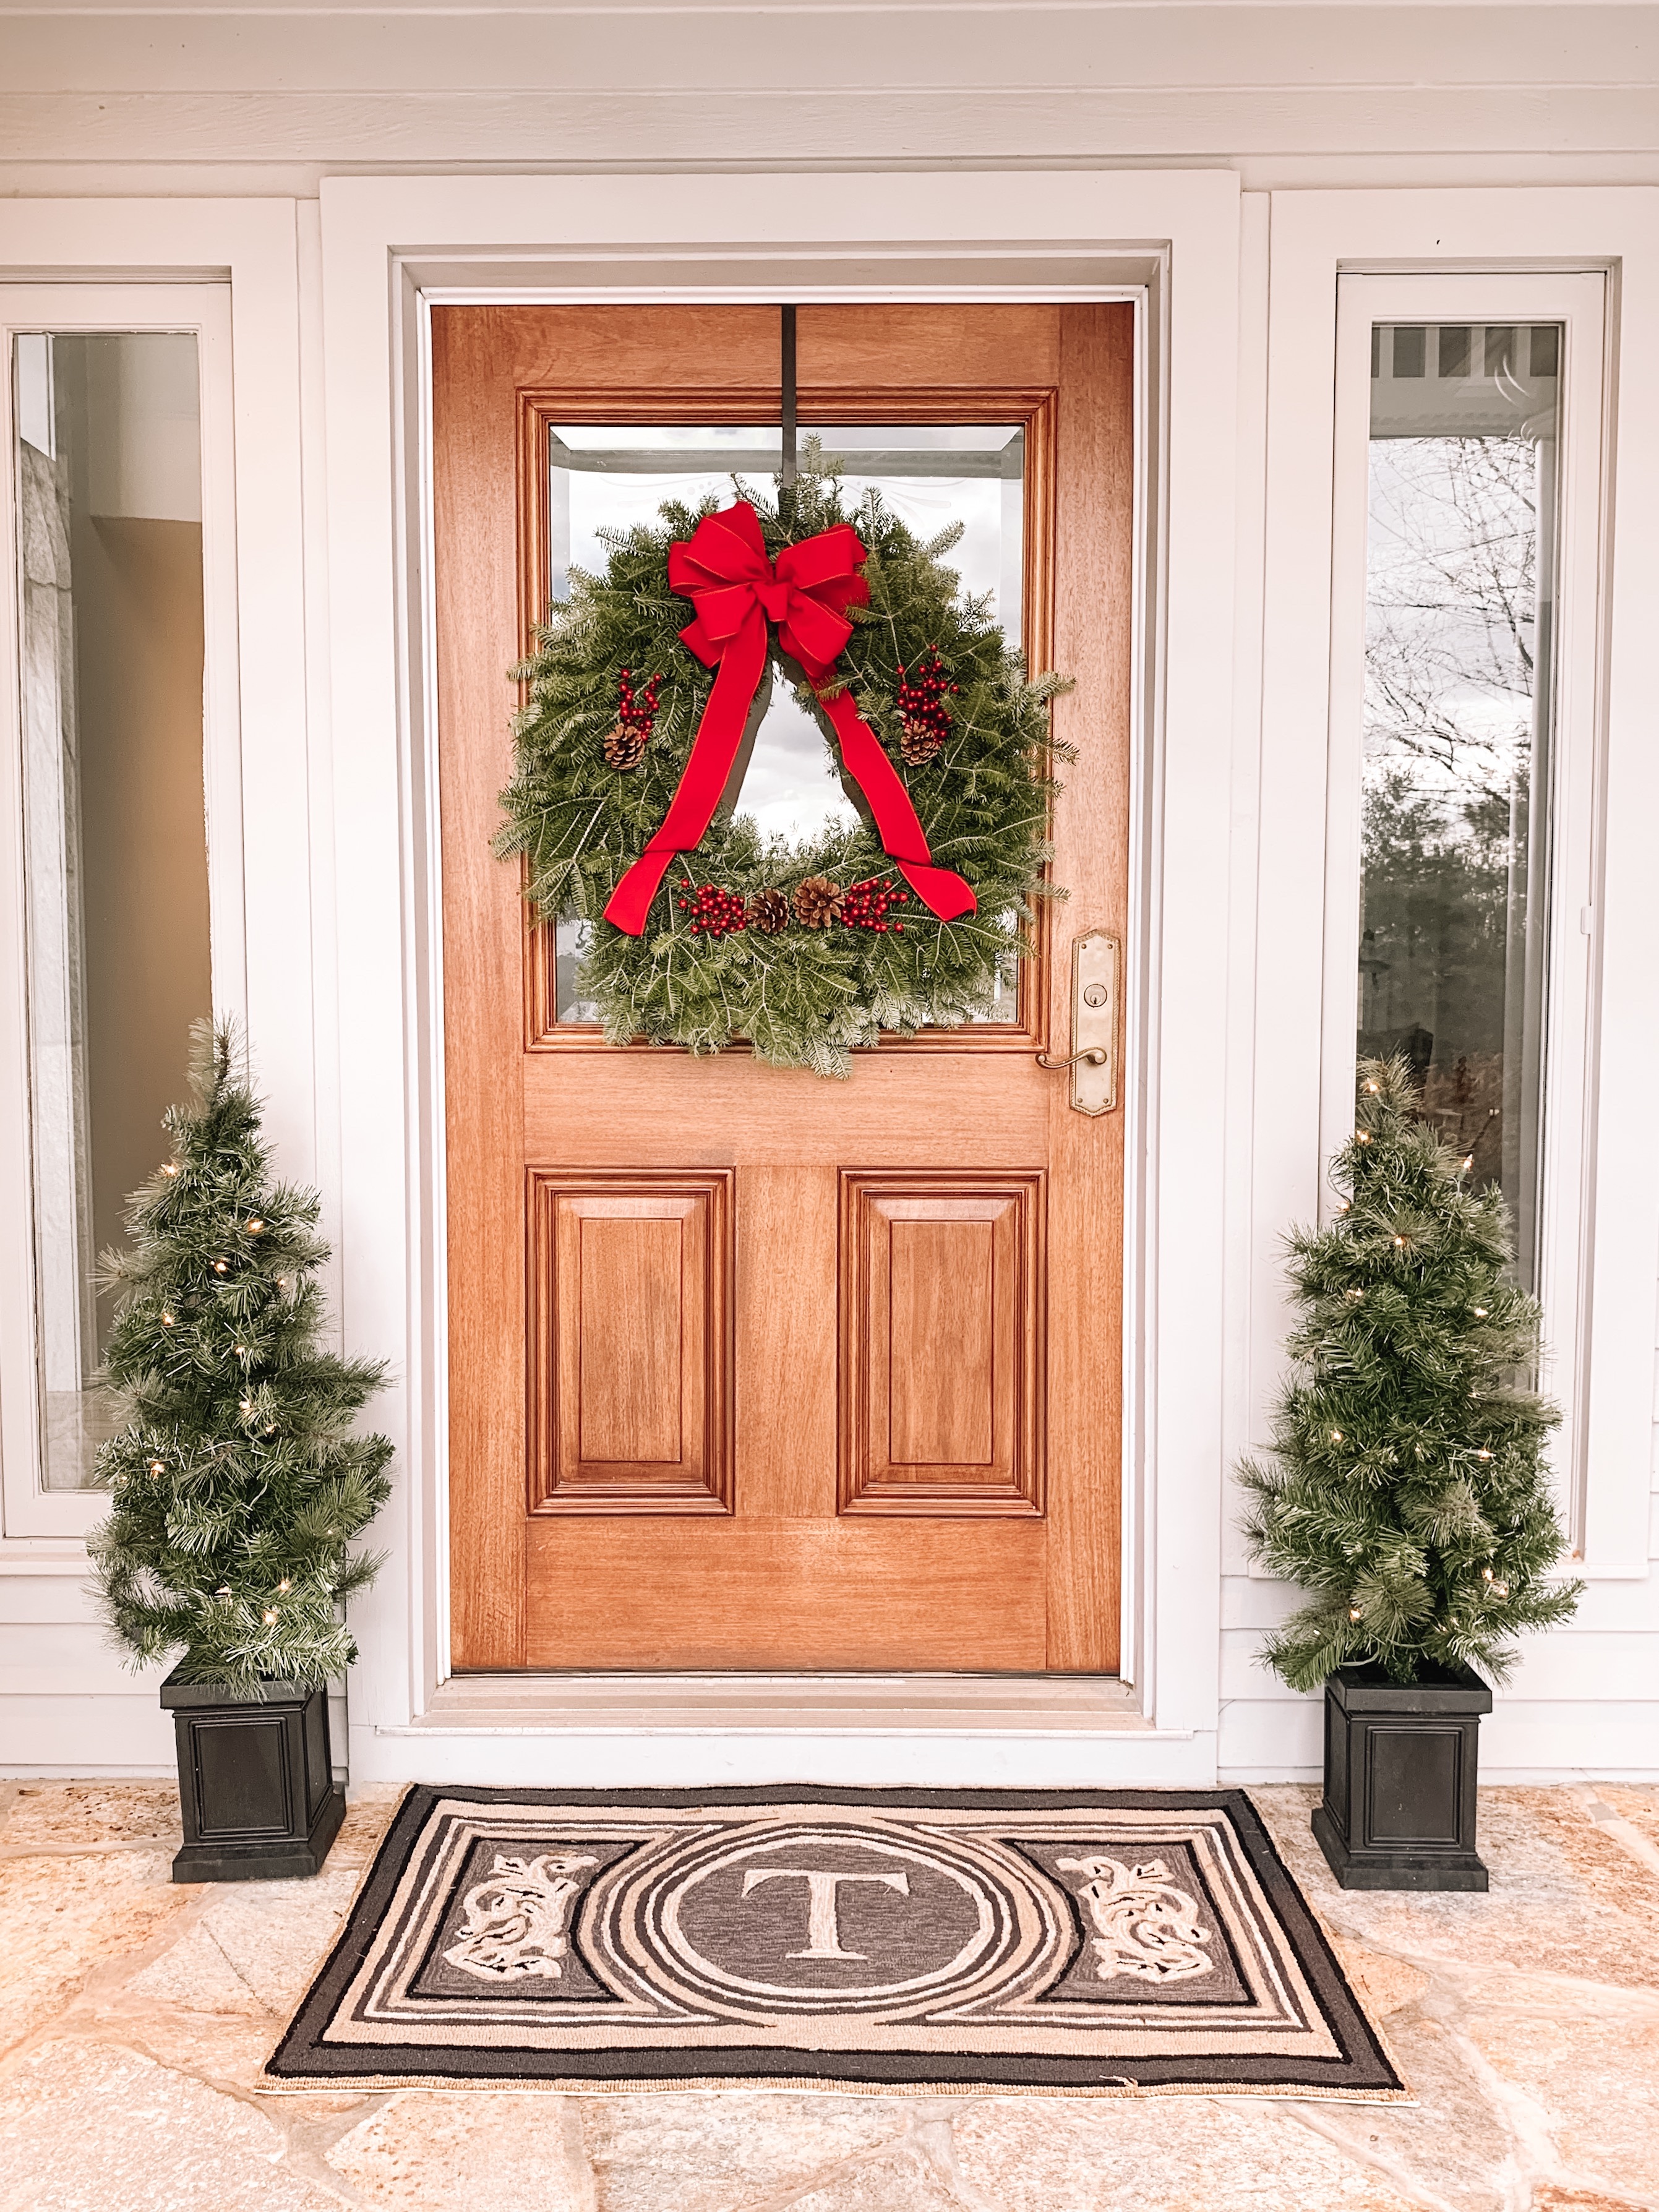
(790, 788)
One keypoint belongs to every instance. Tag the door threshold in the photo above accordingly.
(771, 1705)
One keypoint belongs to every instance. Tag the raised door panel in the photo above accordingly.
(942, 1351)
(630, 1336)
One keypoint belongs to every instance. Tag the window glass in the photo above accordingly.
(609, 477)
(1460, 589)
(109, 509)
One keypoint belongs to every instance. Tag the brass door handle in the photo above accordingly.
(1096, 960)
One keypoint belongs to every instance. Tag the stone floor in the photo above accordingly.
(135, 2017)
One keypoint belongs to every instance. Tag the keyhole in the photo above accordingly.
(1096, 996)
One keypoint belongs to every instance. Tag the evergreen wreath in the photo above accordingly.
(1408, 1490)
(805, 952)
(236, 1488)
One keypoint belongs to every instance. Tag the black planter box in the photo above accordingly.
(256, 1783)
(1399, 1775)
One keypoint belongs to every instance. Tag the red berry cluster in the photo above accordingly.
(714, 913)
(637, 709)
(921, 705)
(865, 906)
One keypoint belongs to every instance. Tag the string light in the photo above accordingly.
(166, 1320)
(170, 1168)
(1401, 1242)
(271, 1613)
(1483, 1454)
(255, 1226)
(285, 1586)
(248, 1404)
(1362, 1136)
(1354, 1612)
(1481, 1313)
(223, 1590)
(1500, 1589)
(221, 1266)
(1468, 1162)
(1336, 1436)
(1371, 1086)
(158, 1467)
(1353, 1297)
(241, 1349)
(1485, 1574)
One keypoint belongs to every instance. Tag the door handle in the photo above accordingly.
(1095, 959)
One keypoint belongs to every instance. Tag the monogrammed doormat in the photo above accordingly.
(1079, 1942)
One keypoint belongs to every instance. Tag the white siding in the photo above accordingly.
(219, 100)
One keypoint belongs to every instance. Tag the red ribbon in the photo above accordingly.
(723, 570)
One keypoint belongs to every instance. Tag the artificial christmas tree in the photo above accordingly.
(1408, 1490)
(237, 1490)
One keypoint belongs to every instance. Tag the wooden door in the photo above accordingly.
(748, 1368)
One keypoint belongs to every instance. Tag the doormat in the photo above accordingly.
(1070, 1943)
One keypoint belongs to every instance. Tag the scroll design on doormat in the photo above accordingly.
(515, 1920)
(1145, 1926)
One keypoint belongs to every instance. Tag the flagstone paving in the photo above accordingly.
(135, 2018)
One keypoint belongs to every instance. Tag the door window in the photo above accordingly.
(602, 479)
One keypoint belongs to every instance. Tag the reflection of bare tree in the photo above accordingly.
(1451, 644)
(1452, 606)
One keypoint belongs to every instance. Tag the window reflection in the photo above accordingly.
(1455, 834)
(109, 520)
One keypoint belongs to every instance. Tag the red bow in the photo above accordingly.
(736, 591)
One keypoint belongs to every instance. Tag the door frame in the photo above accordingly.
(381, 440)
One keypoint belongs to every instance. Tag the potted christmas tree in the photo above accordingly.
(1407, 1492)
(237, 1488)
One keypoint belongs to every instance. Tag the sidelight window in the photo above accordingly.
(1466, 746)
(110, 832)
(1459, 715)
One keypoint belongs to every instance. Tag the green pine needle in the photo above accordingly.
(1408, 1490)
(237, 1488)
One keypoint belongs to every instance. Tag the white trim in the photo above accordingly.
(1315, 235)
(1062, 235)
(1578, 303)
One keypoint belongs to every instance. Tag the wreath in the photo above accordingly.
(628, 756)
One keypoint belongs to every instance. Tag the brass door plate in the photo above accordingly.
(1096, 962)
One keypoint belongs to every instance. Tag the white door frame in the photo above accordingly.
(387, 243)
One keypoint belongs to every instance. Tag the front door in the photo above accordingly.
(749, 1367)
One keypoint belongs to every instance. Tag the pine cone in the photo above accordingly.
(768, 912)
(918, 745)
(817, 904)
(624, 747)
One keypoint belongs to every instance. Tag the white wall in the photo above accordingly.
(213, 103)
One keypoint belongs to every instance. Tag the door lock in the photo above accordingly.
(1093, 1059)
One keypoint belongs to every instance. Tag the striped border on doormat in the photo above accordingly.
(1114, 1942)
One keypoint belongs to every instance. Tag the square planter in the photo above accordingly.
(256, 1783)
(1399, 1776)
